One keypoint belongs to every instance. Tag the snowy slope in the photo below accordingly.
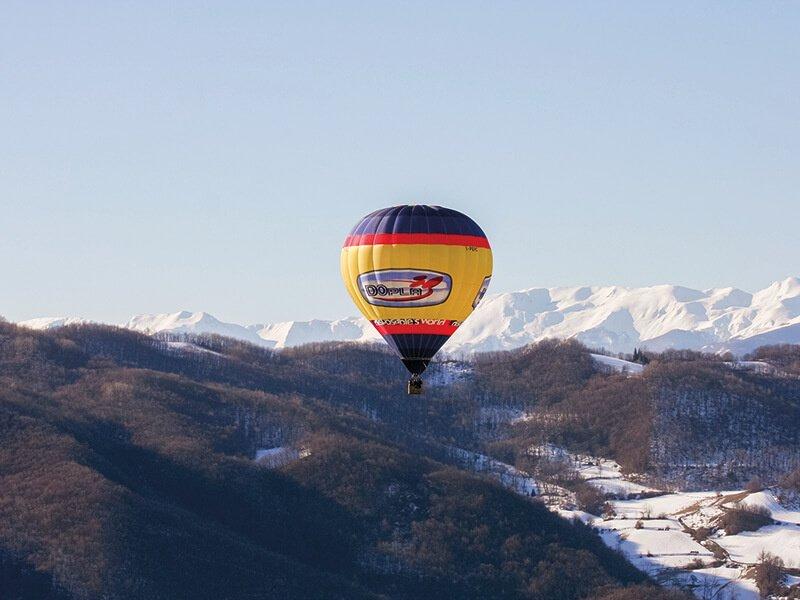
(295, 333)
(618, 365)
(656, 531)
(654, 547)
(611, 317)
(52, 322)
(191, 322)
(619, 319)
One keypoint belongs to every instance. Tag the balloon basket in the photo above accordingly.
(415, 386)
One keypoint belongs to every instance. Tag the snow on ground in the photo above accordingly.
(603, 473)
(655, 533)
(265, 452)
(569, 515)
(767, 500)
(668, 504)
(507, 475)
(189, 347)
(497, 415)
(754, 365)
(669, 542)
(618, 365)
(780, 540)
(619, 487)
(598, 468)
(448, 372)
(659, 544)
(279, 456)
(719, 583)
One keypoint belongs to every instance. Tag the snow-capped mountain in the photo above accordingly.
(619, 319)
(612, 317)
(295, 333)
(191, 322)
(271, 335)
(53, 322)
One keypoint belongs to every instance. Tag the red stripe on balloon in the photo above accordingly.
(447, 239)
(420, 328)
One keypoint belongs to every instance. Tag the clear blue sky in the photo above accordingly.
(157, 156)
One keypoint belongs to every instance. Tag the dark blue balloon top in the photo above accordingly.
(417, 218)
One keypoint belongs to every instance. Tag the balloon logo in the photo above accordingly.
(416, 272)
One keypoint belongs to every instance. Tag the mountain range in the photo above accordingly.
(615, 318)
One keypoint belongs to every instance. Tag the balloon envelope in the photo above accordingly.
(416, 272)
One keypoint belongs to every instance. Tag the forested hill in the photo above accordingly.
(127, 471)
(686, 420)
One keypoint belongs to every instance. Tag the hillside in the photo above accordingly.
(714, 543)
(128, 470)
(688, 420)
(314, 471)
(615, 318)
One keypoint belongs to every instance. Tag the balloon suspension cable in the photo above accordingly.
(415, 385)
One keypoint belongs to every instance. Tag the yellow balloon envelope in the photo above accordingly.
(416, 272)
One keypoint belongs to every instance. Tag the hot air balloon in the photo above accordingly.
(416, 272)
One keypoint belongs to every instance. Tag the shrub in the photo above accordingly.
(769, 574)
(503, 450)
(696, 563)
(742, 517)
(754, 485)
(702, 533)
(589, 498)
(791, 481)
(786, 356)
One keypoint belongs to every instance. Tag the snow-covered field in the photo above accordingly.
(655, 532)
(779, 512)
(662, 541)
(603, 473)
(618, 365)
(606, 475)
(659, 543)
(781, 540)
